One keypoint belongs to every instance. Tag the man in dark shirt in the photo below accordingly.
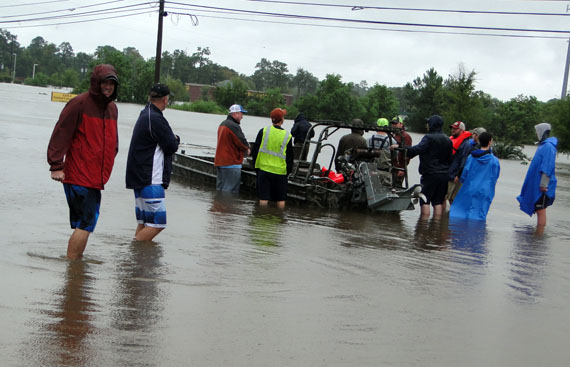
(435, 150)
(300, 129)
(149, 164)
(349, 141)
(400, 162)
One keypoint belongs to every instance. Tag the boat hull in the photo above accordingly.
(317, 191)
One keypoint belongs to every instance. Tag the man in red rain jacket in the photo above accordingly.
(82, 150)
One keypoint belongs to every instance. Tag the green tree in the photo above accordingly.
(65, 54)
(234, 91)
(426, 97)
(379, 102)
(360, 89)
(516, 119)
(335, 100)
(270, 74)
(262, 104)
(459, 92)
(304, 82)
(308, 105)
(179, 92)
(557, 113)
(8, 46)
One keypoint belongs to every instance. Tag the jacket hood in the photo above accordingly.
(435, 123)
(300, 117)
(552, 140)
(541, 129)
(483, 156)
(100, 73)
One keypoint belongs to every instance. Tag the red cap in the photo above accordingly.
(458, 125)
(277, 115)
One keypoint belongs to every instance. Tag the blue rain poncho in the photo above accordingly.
(543, 162)
(478, 190)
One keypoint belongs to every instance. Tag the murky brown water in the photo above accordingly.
(229, 284)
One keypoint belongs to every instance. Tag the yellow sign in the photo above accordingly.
(61, 97)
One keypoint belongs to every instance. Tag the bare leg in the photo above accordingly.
(263, 202)
(541, 217)
(77, 243)
(281, 204)
(147, 233)
(438, 210)
(139, 228)
(425, 211)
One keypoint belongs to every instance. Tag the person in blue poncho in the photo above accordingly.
(539, 185)
(479, 178)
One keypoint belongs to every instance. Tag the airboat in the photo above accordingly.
(367, 177)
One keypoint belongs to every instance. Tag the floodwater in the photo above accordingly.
(230, 284)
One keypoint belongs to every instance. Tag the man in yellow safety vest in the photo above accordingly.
(273, 156)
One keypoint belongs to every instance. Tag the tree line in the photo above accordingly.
(454, 97)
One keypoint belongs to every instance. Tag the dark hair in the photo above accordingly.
(484, 139)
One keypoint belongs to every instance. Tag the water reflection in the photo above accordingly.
(468, 238)
(225, 203)
(528, 262)
(63, 340)
(138, 303)
(265, 226)
(432, 233)
(375, 230)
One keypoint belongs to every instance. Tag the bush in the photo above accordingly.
(292, 112)
(201, 106)
(504, 150)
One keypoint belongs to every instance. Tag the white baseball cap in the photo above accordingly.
(237, 108)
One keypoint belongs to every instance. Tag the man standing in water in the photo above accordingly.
(435, 150)
(149, 164)
(539, 187)
(400, 163)
(273, 159)
(479, 178)
(81, 153)
(230, 150)
(461, 148)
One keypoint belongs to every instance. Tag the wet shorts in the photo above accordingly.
(434, 188)
(83, 205)
(271, 186)
(543, 202)
(150, 208)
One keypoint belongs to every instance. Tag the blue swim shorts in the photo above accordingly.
(150, 208)
(83, 205)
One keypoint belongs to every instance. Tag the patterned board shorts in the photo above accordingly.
(150, 208)
(83, 205)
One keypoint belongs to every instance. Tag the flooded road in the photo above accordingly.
(231, 284)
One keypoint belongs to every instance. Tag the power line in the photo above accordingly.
(354, 7)
(81, 21)
(43, 2)
(364, 21)
(368, 28)
(61, 10)
(76, 15)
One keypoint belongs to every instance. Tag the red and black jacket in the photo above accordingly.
(85, 141)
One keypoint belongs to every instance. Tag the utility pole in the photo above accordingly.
(159, 43)
(565, 82)
(34, 71)
(14, 71)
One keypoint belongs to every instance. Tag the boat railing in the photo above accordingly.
(320, 143)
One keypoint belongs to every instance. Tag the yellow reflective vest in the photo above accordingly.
(272, 151)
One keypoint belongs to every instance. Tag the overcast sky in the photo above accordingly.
(377, 53)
